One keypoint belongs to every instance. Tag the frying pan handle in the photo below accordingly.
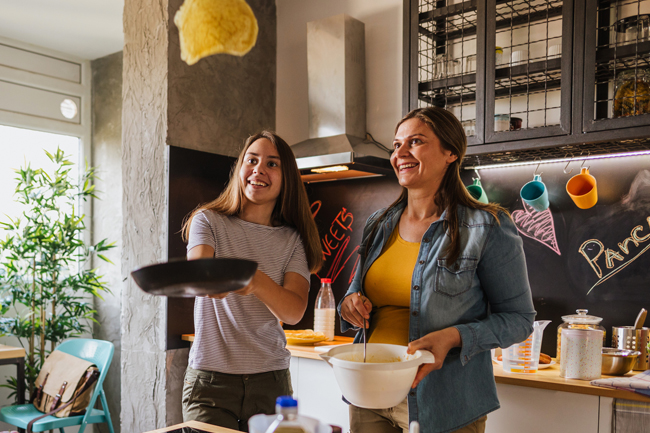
(426, 357)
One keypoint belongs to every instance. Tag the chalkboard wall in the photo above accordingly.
(562, 279)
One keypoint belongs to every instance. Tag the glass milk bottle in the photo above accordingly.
(325, 310)
(287, 417)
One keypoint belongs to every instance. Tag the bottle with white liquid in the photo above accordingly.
(325, 310)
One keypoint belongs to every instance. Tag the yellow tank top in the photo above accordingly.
(388, 286)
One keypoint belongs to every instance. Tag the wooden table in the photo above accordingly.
(197, 425)
(15, 355)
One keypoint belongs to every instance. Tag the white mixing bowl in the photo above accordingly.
(383, 381)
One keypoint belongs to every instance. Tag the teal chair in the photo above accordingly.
(98, 352)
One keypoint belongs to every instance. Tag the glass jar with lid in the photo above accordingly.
(632, 93)
(578, 321)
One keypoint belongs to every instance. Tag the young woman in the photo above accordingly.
(440, 272)
(238, 363)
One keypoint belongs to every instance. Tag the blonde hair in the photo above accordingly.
(291, 207)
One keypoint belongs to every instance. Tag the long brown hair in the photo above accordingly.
(452, 191)
(291, 207)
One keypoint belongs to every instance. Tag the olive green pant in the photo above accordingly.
(229, 400)
(394, 420)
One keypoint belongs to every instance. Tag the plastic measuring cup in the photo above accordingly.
(524, 357)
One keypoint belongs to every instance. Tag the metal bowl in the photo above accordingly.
(617, 362)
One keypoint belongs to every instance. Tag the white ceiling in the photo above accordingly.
(88, 29)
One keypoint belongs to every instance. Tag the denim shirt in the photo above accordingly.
(486, 296)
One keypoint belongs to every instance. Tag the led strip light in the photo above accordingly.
(550, 161)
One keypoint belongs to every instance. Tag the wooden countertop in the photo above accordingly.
(197, 425)
(549, 378)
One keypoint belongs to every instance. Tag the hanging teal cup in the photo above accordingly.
(477, 191)
(535, 194)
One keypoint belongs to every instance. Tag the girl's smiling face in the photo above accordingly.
(419, 160)
(261, 174)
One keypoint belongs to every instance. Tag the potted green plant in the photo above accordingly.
(44, 272)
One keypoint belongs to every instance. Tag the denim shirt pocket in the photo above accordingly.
(456, 279)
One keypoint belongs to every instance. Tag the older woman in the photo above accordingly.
(439, 271)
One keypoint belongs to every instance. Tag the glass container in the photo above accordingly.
(469, 126)
(632, 93)
(632, 29)
(501, 122)
(578, 321)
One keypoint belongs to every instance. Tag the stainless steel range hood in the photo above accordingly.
(337, 147)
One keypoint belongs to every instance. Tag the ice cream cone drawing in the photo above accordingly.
(537, 226)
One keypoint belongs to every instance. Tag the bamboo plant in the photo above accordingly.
(44, 272)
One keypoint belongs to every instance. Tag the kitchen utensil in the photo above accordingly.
(632, 93)
(501, 122)
(515, 123)
(261, 422)
(498, 56)
(535, 194)
(382, 382)
(446, 66)
(469, 126)
(476, 190)
(632, 29)
(364, 340)
(626, 337)
(519, 57)
(640, 319)
(524, 357)
(581, 320)
(582, 189)
(581, 354)
(554, 51)
(470, 64)
(617, 362)
(187, 279)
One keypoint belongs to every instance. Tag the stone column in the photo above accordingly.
(211, 106)
(107, 212)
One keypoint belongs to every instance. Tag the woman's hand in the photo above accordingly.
(439, 343)
(355, 308)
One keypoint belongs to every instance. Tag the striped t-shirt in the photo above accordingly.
(239, 334)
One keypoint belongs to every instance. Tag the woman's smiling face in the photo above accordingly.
(261, 174)
(419, 160)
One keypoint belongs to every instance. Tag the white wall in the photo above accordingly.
(383, 21)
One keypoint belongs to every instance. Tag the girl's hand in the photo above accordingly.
(439, 343)
(355, 308)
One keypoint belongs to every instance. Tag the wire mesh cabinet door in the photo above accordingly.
(446, 60)
(617, 65)
(528, 69)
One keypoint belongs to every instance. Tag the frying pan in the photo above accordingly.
(187, 279)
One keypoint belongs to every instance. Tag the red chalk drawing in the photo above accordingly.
(537, 226)
(335, 243)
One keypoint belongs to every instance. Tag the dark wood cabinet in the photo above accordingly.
(533, 78)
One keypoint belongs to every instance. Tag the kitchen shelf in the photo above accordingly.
(524, 70)
(531, 77)
(521, 18)
(604, 55)
(447, 11)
